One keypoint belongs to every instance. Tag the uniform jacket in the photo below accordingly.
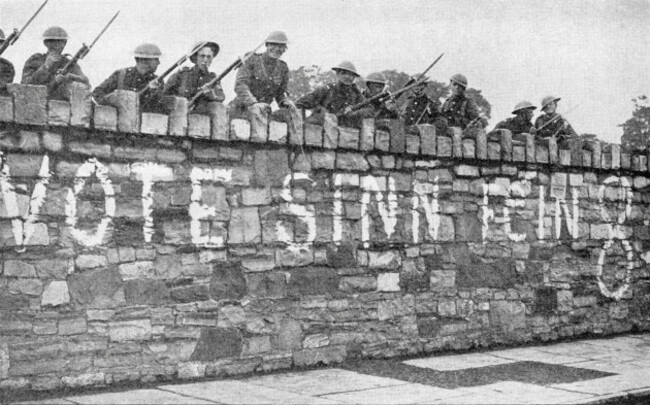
(516, 125)
(7, 73)
(421, 106)
(131, 79)
(559, 127)
(460, 110)
(334, 97)
(261, 79)
(378, 109)
(34, 72)
(188, 81)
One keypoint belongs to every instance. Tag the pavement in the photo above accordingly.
(603, 371)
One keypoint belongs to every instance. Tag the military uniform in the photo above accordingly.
(378, 109)
(426, 110)
(261, 79)
(34, 72)
(187, 82)
(131, 79)
(559, 127)
(516, 125)
(333, 98)
(7, 73)
(460, 110)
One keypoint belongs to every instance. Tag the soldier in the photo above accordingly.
(375, 84)
(7, 71)
(553, 124)
(336, 98)
(43, 69)
(521, 122)
(137, 78)
(264, 78)
(188, 82)
(419, 108)
(459, 109)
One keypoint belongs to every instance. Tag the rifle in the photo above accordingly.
(557, 117)
(385, 95)
(174, 66)
(475, 120)
(236, 64)
(83, 51)
(13, 37)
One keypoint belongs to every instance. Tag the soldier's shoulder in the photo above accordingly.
(283, 64)
(36, 56)
(5, 62)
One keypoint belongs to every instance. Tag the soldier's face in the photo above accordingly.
(151, 64)
(345, 77)
(204, 58)
(550, 107)
(528, 113)
(375, 88)
(55, 45)
(274, 50)
(420, 89)
(456, 88)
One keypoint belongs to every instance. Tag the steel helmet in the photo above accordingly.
(460, 79)
(277, 37)
(548, 100)
(55, 33)
(347, 66)
(147, 51)
(522, 105)
(376, 77)
(212, 45)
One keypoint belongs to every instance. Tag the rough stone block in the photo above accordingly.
(178, 120)
(81, 106)
(508, 315)
(494, 150)
(616, 156)
(58, 113)
(457, 141)
(469, 148)
(444, 144)
(259, 126)
(367, 141)
(506, 145)
(105, 117)
(565, 157)
(330, 131)
(154, 124)
(348, 138)
(313, 135)
(626, 161)
(596, 150)
(30, 103)
(576, 153)
(217, 343)
(530, 148)
(541, 153)
(413, 144)
(586, 158)
(553, 156)
(295, 126)
(481, 145)
(397, 134)
(427, 139)
(219, 121)
(240, 129)
(278, 132)
(127, 105)
(518, 152)
(198, 125)
(6, 109)
(137, 329)
(244, 226)
(382, 140)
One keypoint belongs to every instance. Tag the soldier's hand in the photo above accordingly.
(59, 78)
(347, 110)
(51, 60)
(263, 106)
(289, 104)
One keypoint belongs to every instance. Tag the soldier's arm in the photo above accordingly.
(569, 129)
(171, 87)
(77, 75)
(281, 94)
(108, 86)
(244, 75)
(313, 99)
(473, 112)
(35, 73)
(7, 73)
(217, 93)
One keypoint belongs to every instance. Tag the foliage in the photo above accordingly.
(636, 130)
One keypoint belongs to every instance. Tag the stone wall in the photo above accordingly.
(147, 247)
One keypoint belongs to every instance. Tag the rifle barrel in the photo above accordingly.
(31, 19)
(103, 30)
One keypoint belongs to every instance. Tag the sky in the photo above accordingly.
(594, 54)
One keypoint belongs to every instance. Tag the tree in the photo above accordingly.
(636, 130)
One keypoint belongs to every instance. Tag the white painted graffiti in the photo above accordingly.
(199, 211)
(305, 213)
(387, 209)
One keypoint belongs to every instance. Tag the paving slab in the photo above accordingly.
(51, 401)
(239, 392)
(532, 354)
(576, 349)
(610, 385)
(403, 394)
(619, 342)
(609, 366)
(147, 396)
(320, 382)
(459, 362)
(522, 393)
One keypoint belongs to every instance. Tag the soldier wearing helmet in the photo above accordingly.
(188, 82)
(264, 77)
(7, 71)
(375, 84)
(521, 122)
(42, 69)
(459, 109)
(336, 98)
(553, 124)
(143, 74)
(420, 108)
